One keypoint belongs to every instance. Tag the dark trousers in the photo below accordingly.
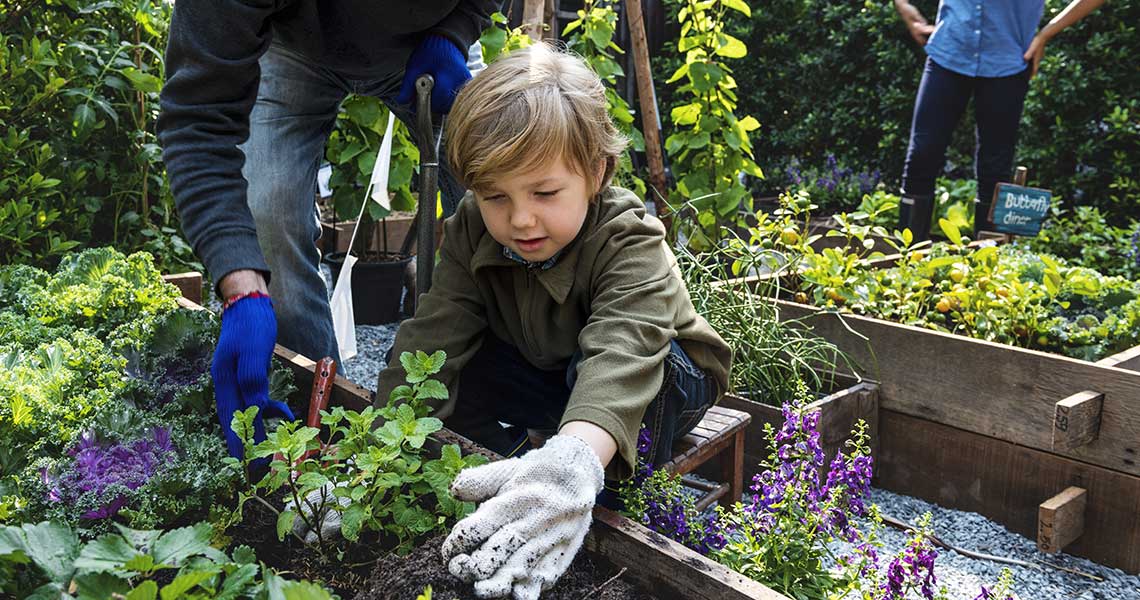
(500, 385)
(942, 98)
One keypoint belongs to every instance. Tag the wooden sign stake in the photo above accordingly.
(1061, 520)
(1076, 420)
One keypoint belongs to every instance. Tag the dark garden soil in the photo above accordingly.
(404, 578)
(258, 530)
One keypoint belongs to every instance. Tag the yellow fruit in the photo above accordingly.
(943, 306)
(801, 298)
(789, 236)
(957, 275)
(834, 296)
(1002, 292)
(1042, 340)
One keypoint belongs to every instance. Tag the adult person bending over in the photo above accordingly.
(252, 93)
(986, 49)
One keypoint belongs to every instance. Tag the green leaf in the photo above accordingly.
(686, 115)
(187, 581)
(432, 389)
(143, 563)
(312, 480)
(99, 586)
(144, 82)
(730, 47)
(107, 553)
(738, 5)
(148, 590)
(238, 581)
(177, 545)
(351, 521)
(82, 121)
(244, 555)
(285, 524)
(414, 373)
(304, 590)
(951, 231)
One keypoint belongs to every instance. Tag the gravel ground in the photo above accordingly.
(962, 576)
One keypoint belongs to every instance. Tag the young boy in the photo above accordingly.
(561, 312)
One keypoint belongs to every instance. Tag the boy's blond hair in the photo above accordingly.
(526, 110)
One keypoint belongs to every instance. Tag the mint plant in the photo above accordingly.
(47, 560)
(369, 466)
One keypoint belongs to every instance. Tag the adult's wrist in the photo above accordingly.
(242, 281)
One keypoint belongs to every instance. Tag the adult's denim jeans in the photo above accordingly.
(942, 98)
(296, 109)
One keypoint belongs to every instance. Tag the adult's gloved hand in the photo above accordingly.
(445, 62)
(536, 511)
(241, 366)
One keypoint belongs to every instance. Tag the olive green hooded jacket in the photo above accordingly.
(614, 292)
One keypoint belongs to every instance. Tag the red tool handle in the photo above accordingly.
(324, 376)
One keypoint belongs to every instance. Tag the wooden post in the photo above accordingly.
(533, 20)
(1076, 420)
(647, 99)
(1061, 520)
(1020, 175)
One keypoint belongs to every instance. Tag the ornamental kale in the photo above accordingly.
(656, 499)
(102, 471)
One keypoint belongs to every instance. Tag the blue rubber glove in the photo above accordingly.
(445, 62)
(241, 367)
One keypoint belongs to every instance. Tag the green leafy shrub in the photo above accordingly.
(841, 77)
(48, 560)
(1084, 237)
(79, 161)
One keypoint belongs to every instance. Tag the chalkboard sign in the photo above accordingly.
(1019, 210)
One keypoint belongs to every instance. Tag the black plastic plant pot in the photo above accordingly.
(377, 285)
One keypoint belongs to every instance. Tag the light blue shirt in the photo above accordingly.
(984, 38)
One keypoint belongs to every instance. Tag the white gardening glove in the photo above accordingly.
(536, 511)
(320, 501)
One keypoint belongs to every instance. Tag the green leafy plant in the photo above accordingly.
(500, 39)
(47, 560)
(710, 145)
(376, 475)
(1084, 237)
(591, 37)
(81, 165)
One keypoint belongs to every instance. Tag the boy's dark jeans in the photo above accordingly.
(942, 98)
(498, 384)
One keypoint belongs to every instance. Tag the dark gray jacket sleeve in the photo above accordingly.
(466, 23)
(211, 84)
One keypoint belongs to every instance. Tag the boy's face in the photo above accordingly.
(537, 213)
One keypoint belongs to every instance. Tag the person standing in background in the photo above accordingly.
(988, 50)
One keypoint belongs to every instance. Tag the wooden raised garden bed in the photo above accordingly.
(999, 430)
(849, 401)
(661, 566)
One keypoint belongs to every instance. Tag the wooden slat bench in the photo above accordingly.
(720, 434)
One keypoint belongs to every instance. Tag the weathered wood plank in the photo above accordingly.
(1076, 420)
(189, 283)
(667, 568)
(1061, 519)
(1006, 482)
(996, 390)
(838, 414)
(1129, 359)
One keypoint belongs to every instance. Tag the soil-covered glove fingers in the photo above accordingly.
(483, 482)
(487, 559)
(516, 569)
(550, 568)
(478, 527)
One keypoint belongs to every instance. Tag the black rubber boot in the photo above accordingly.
(915, 213)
